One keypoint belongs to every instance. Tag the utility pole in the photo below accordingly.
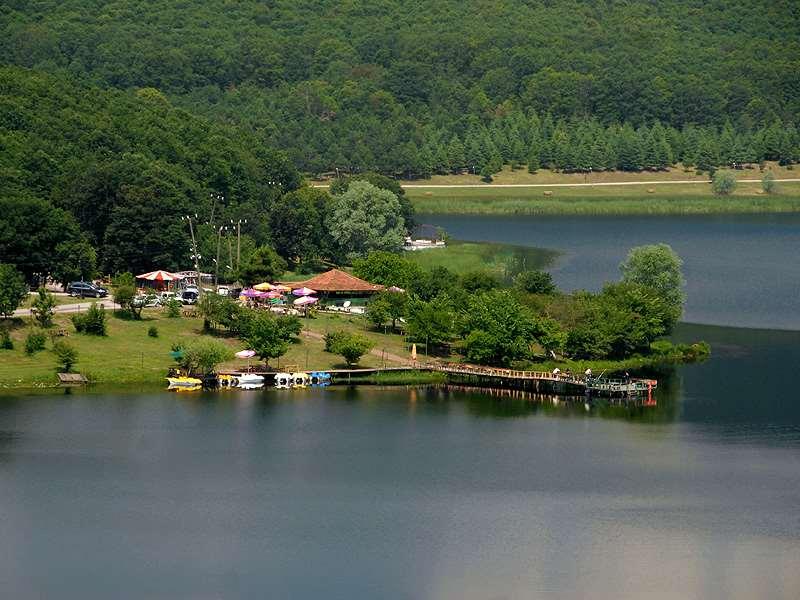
(195, 255)
(215, 197)
(239, 241)
(216, 262)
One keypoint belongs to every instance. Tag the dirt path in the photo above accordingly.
(69, 308)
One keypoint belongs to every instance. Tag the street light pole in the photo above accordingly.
(216, 268)
(239, 241)
(195, 255)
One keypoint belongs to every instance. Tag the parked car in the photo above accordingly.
(85, 289)
(146, 300)
(165, 297)
(190, 295)
(222, 290)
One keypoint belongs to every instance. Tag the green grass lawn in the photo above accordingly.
(664, 199)
(500, 259)
(127, 355)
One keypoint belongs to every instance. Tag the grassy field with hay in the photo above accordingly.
(658, 199)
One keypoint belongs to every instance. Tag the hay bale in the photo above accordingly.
(651, 191)
(548, 193)
(429, 193)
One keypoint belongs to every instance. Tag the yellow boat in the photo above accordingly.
(183, 382)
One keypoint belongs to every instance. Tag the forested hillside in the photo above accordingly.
(412, 88)
(117, 170)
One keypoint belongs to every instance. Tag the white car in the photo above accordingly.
(223, 290)
(190, 295)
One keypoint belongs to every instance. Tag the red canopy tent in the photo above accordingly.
(160, 277)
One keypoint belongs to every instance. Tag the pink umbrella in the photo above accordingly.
(248, 354)
(251, 293)
(304, 300)
(273, 294)
(303, 291)
(281, 288)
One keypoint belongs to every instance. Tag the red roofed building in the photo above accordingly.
(339, 283)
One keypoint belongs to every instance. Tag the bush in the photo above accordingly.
(333, 339)
(724, 183)
(66, 355)
(768, 183)
(5, 341)
(351, 346)
(43, 308)
(92, 322)
(173, 308)
(35, 342)
(203, 355)
(153, 331)
(535, 282)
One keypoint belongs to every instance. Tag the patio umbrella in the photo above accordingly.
(303, 291)
(159, 276)
(248, 354)
(263, 287)
(302, 301)
(281, 288)
(250, 293)
(273, 294)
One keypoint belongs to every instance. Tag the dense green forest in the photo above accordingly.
(415, 88)
(117, 171)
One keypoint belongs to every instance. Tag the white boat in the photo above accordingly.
(249, 381)
(283, 380)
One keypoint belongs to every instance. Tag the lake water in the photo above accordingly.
(440, 493)
(741, 270)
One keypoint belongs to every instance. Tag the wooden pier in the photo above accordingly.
(537, 382)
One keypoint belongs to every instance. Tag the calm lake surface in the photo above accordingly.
(412, 493)
(741, 270)
(439, 492)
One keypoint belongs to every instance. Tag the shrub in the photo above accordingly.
(153, 331)
(203, 355)
(535, 282)
(43, 308)
(5, 341)
(724, 183)
(332, 340)
(351, 346)
(173, 308)
(92, 322)
(768, 183)
(35, 342)
(66, 355)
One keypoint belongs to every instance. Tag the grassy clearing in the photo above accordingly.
(664, 199)
(544, 176)
(500, 259)
(127, 355)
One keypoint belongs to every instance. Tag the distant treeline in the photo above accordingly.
(582, 145)
(413, 88)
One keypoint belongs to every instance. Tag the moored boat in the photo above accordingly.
(183, 382)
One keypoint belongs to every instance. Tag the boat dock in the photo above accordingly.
(491, 377)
